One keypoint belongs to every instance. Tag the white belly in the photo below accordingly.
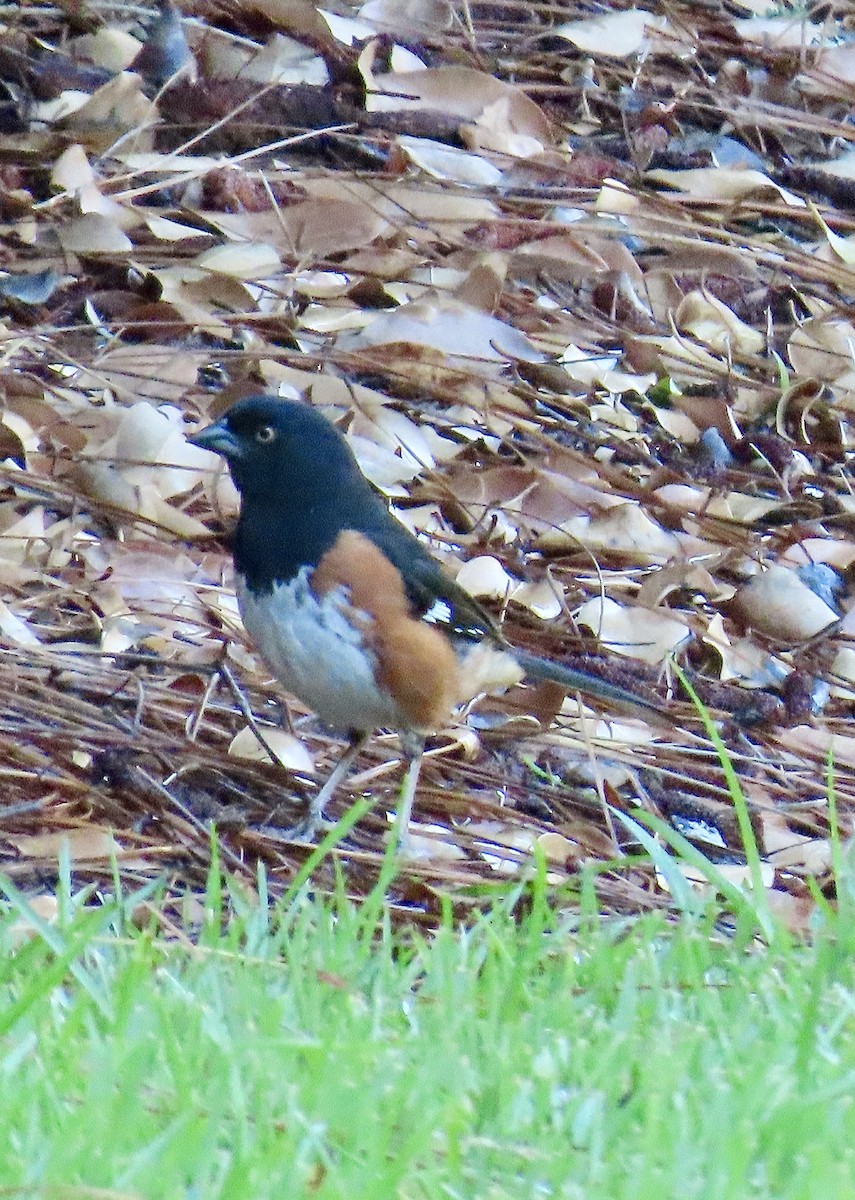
(315, 653)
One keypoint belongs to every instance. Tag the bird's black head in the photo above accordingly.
(299, 485)
(274, 445)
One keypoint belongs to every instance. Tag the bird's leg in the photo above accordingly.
(339, 773)
(414, 747)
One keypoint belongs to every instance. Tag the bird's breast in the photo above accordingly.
(317, 654)
(342, 637)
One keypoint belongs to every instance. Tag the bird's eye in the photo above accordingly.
(265, 434)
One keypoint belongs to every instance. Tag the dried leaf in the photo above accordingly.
(717, 326)
(778, 604)
(648, 634)
(447, 162)
(288, 750)
(248, 261)
(722, 183)
(93, 234)
(84, 842)
(613, 34)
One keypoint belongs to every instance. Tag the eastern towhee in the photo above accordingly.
(347, 608)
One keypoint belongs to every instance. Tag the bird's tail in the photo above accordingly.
(576, 680)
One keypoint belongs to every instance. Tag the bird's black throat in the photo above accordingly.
(275, 537)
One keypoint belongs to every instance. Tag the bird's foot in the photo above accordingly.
(312, 828)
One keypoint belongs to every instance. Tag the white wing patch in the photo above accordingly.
(439, 613)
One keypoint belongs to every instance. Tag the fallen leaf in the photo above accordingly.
(288, 750)
(612, 34)
(778, 604)
(635, 632)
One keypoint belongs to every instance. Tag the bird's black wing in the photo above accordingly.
(435, 597)
(439, 600)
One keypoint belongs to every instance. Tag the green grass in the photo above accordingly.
(315, 1052)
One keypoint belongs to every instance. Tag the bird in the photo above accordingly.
(349, 610)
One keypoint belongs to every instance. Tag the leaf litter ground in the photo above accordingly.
(578, 284)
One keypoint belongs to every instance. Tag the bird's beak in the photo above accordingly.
(219, 438)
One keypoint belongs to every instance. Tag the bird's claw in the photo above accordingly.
(312, 828)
